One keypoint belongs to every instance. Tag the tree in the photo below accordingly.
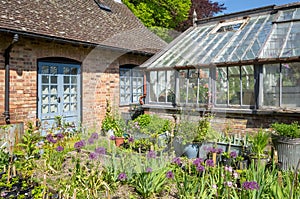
(203, 9)
(160, 13)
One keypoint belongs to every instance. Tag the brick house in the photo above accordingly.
(65, 58)
(243, 67)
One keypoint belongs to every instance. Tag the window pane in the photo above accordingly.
(203, 87)
(234, 85)
(153, 86)
(182, 86)
(161, 89)
(125, 85)
(192, 85)
(271, 85)
(290, 84)
(248, 85)
(221, 85)
(171, 86)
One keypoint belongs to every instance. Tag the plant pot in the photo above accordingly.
(119, 141)
(288, 151)
(191, 150)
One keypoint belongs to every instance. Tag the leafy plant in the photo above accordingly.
(150, 182)
(112, 121)
(287, 130)
(259, 142)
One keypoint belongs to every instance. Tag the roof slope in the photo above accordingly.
(79, 20)
(270, 32)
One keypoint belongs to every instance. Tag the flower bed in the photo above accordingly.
(89, 165)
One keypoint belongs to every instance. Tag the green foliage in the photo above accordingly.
(197, 131)
(259, 142)
(4, 158)
(113, 122)
(287, 130)
(147, 184)
(167, 14)
(153, 125)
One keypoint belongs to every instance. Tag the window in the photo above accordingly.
(194, 86)
(162, 86)
(281, 85)
(131, 84)
(229, 26)
(235, 85)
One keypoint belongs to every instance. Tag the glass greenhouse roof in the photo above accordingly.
(268, 33)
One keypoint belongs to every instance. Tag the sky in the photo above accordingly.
(241, 5)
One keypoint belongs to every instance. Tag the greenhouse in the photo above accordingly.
(242, 61)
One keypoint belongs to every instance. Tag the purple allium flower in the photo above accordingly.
(169, 175)
(79, 145)
(177, 161)
(197, 161)
(148, 170)
(250, 185)
(212, 150)
(210, 163)
(112, 137)
(91, 140)
(151, 154)
(200, 168)
(228, 183)
(233, 154)
(219, 151)
(130, 139)
(214, 186)
(93, 156)
(59, 148)
(94, 136)
(49, 137)
(60, 136)
(122, 176)
(100, 150)
(228, 168)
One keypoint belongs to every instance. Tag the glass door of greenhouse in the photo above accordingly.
(58, 93)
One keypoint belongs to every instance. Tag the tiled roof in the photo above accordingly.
(79, 20)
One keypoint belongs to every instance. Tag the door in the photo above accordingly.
(58, 93)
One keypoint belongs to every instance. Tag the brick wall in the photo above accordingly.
(100, 76)
(236, 123)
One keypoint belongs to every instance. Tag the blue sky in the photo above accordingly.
(241, 5)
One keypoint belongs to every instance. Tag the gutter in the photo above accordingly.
(76, 42)
(7, 77)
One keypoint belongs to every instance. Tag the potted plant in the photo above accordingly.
(286, 140)
(194, 135)
(259, 142)
(113, 124)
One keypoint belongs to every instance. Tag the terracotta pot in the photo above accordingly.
(119, 141)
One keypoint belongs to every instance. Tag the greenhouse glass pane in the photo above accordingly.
(248, 85)
(276, 41)
(292, 47)
(221, 85)
(171, 86)
(234, 85)
(182, 86)
(192, 85)
(153, 86)
(161, 86)
(290, 84)
(286, 15)
(203, 87)
(271, 74)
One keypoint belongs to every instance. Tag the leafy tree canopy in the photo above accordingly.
(162, 13)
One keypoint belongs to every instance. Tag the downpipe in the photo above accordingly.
(7, 78)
